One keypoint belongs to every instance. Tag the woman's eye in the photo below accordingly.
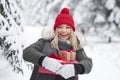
(68, 27)
(59, 27)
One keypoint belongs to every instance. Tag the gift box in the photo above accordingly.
(68, 55)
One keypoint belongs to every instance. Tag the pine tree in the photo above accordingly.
(11, 34)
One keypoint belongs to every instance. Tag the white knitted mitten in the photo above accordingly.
(67, 71)
(51, 64)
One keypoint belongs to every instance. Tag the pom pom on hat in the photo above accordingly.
(65, 11)
(64, 18)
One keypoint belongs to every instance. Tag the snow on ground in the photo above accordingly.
(105, 56)
(106, 63)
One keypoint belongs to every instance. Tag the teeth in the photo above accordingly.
(63, 34)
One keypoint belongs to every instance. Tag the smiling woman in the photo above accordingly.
(64, 32)
(60, 57)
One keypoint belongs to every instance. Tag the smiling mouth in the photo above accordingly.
(63, 34)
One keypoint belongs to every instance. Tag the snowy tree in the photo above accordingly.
(11, 34)
(98, 17)
(43, 12)
(92, 17)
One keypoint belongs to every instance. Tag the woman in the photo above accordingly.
(45, 53)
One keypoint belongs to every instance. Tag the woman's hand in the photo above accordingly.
(51, 64)
(67, 71)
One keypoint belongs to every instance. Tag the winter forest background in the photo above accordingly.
(22, 21)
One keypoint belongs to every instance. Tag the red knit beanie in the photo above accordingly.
(64, 18)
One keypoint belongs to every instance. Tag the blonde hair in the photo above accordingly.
(73, 41)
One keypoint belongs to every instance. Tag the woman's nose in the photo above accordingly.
(63, 29)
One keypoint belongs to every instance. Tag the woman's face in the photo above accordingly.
(64, 32)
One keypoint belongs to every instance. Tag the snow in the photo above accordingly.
(31, 34)
(106, 64)
(5, 71)
(112, 2)
(105, 56)
(99, 18)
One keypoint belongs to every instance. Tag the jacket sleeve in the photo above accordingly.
(84, 60)
(33, 52)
